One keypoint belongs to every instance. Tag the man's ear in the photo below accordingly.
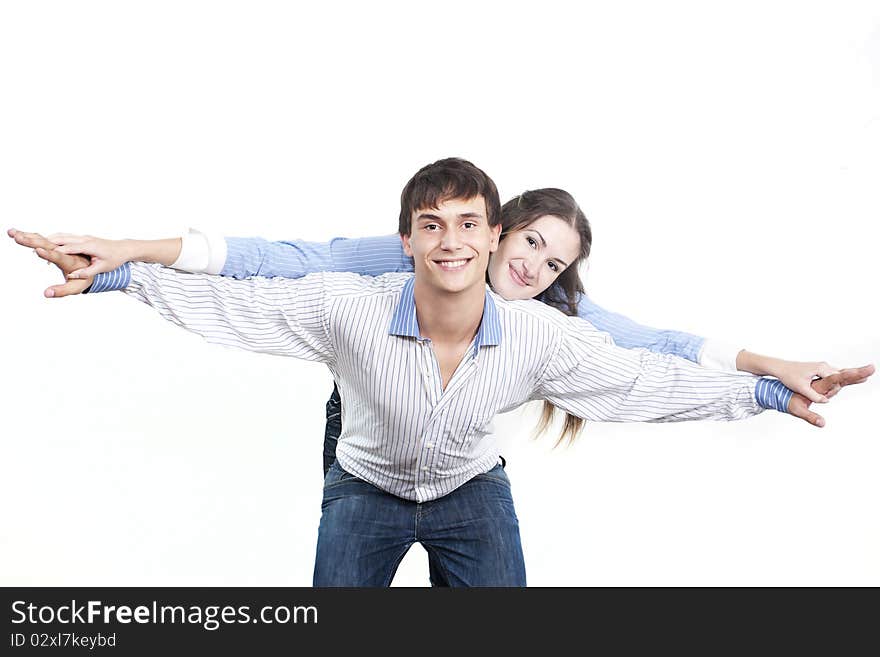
(496, 236)
(407, 249)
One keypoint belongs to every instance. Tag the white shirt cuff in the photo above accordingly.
(201, 253)
(717, 355)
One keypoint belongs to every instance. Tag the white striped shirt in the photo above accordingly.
(402, 431)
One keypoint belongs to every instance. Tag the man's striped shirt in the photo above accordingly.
(401, 430)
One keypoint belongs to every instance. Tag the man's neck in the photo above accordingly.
(449, 317)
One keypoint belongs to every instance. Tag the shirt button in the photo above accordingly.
(425, 469)
(429, 445)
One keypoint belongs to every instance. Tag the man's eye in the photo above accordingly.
(431, 226)
(470, 224)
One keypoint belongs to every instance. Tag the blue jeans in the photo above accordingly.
(333, 428)
(471, 534)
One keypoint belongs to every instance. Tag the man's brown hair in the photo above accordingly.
(444, 180)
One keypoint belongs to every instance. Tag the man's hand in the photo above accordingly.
(104, 255)
(65, 262)
(799, 406)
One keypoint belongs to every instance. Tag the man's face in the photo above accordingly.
(450, 244)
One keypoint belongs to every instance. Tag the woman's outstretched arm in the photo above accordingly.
(238, 257)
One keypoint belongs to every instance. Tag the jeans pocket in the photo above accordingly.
(496, 475)
(336, 475)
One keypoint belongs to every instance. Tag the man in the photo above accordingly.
(424, 362)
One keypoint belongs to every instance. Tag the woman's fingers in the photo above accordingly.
(67, 238)
(92, 270)
(84, 247)
(814, 396)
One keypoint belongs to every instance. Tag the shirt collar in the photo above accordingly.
(405, 324)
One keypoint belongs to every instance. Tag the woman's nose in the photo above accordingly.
(530, 266)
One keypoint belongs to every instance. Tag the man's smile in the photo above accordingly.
(453, 265)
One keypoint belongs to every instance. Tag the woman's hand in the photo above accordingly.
(104, 255)
(107, 255)
(66, 263)
(800, 376)
(797, 376)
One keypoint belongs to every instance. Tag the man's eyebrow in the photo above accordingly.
(544, 244)
(463, 215)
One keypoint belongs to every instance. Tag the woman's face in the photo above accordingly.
(530, 259)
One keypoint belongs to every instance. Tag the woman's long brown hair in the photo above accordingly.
(516, 214)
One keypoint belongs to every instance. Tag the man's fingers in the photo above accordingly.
(832, 392)
(64, 262)
(852, 375)
(32, 240)
(813, 418)
(65, 289)
(55, 257)
(798, 408)
(831, 385)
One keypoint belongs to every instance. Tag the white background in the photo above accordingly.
(727, 158)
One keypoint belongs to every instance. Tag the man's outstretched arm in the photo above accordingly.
(596, 380)
(270, 316)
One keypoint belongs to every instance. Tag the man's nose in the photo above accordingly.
(451, 240)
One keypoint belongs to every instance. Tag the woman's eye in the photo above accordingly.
(553, 266)
(531, 241)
